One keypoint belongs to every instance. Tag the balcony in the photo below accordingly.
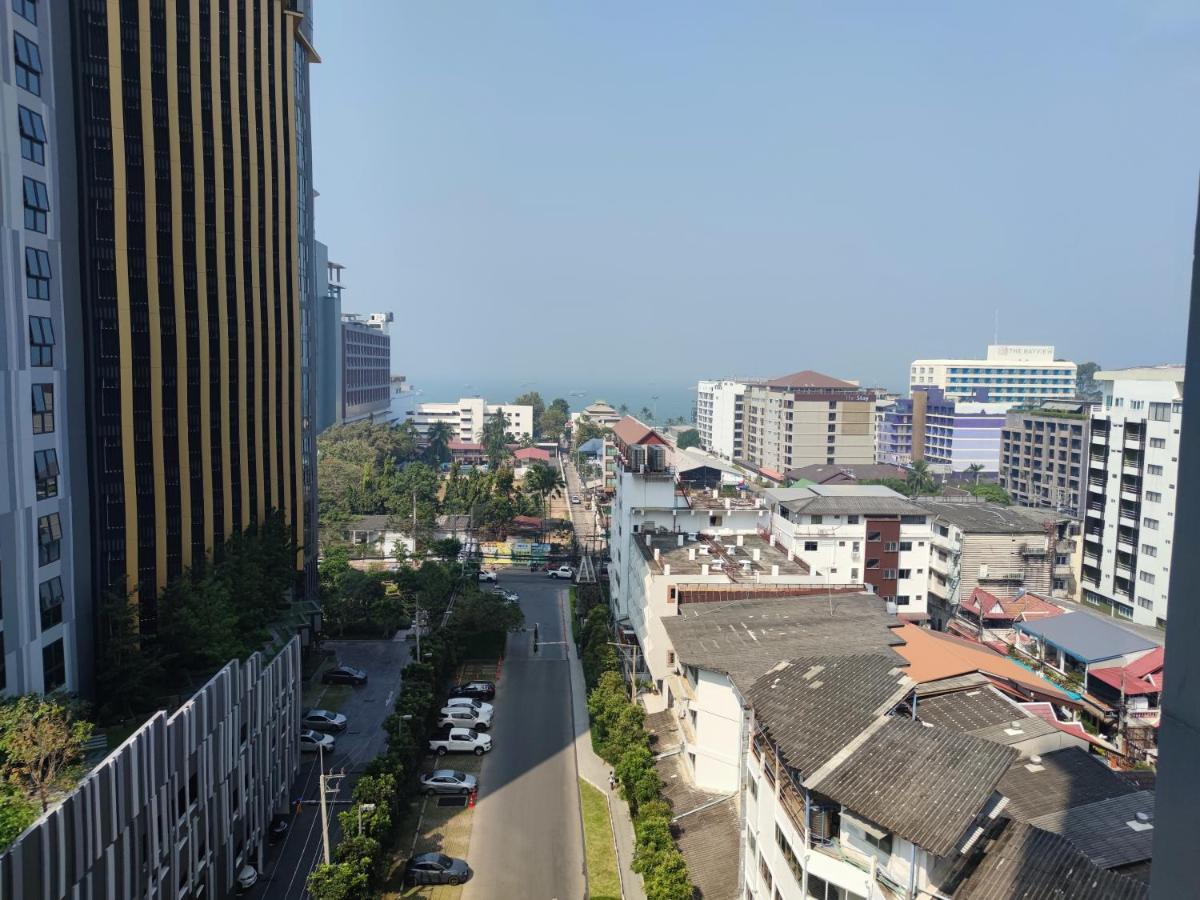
(1099, 438)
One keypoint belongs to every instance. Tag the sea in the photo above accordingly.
(665, 401)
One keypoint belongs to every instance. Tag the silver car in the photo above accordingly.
(448, 781)
(324, 720)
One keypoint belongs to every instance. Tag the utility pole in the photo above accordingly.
(327, 784)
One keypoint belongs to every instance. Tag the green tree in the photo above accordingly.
(585, 431)
(646, 415)
(41, 747)
(340, 881)
(992, 492)
(495, 439)
(17, 813)
(543, 481)
(197, 624)
(689, 438)
(554, 422)
(623, 409)
(975, 469)
(920, 479)
(439, 437)
(128, 668)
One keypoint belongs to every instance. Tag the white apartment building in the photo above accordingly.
(1129, 515)
(42, 507)
(468, 415)
(720, 416)
(858, 534)
(1012, 373)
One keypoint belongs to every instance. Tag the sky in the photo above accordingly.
(610, 193)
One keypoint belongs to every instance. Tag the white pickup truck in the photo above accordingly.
(459, 740)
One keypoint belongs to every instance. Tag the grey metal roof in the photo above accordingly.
(951, 684)
(705, 825)
(1087, 637)
(745, 638)
(1108, 831)
(1059, 780)
(1032, 864)
(983, 517)
(840, 500)
(926, 784)
(812, 707)
(985, 713)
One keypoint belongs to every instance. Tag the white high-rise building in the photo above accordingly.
(42, 507)
(468, 415)
(1013, 373)
(1129, 512)
(720, 418)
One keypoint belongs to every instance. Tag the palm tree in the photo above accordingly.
(920, 479)
(543, 480)
(975, 469)
(646, 415)
(439, 437)
(623, 409)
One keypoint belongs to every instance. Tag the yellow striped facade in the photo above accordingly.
(207, 377)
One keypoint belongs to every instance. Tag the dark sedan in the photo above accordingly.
(436, 868)
(479, 690)
(344, 675)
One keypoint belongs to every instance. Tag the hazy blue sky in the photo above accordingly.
(666, 190)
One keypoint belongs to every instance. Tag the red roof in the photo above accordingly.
(1045, 711)
(810, 379)
(1142, 676)
(464, 446)
(631, 431)
(1025, 607)
(532, 453)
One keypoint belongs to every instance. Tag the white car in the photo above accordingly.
(246, 878)
(466, 717)
(459, 740)
(312, 741)
(481, 708)
(563, 572)
(487, 576)
(510, 596)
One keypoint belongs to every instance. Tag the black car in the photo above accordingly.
(480, 690)
(436, 868)
(344, 675)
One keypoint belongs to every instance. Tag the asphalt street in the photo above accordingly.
(587, 529)
(290, 862)
(527, 839)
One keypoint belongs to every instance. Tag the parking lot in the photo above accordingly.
(290, 861)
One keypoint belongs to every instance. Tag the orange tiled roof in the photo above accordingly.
(933, 655)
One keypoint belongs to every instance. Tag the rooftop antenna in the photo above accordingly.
(996, 327)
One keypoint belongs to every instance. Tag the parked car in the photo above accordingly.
(448, 781)
(247, 877)
(436, 868)
(563, 572)
(467, 717)
(459, 740)
(324, 720)
(471, 703)
(479, 690)
(344, 675)
(510, 596)
(574, 499)
(487, 576)
(313, 741)
(279, 827)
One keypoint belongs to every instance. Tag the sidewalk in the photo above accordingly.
(595, 771)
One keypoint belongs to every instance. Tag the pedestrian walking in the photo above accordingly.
(612, 781)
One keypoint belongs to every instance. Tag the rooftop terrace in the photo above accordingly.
(740, 557)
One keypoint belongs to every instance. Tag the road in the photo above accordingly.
(587, 528)
(290, 862)
(527, 839)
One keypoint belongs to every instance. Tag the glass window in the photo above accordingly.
(26, 9)
(50, 598)
(1149, 550)
(37, 204)
(1147, 577)
(41, 341)
(49, 539)
(29, 64)
(54, 666)
(1153, 497)
(1152, 524)
(1154, 470)
(33, 135)
(37, 274)
(43, 408)
(810, 546)
(1158, 443)
(45, 473)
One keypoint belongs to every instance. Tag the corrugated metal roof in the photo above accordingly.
(926, 784)
(1108, 831)
(983, 517)
(1086, 637)
(1059, 780)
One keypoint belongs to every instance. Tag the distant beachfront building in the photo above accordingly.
(1011, 372)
